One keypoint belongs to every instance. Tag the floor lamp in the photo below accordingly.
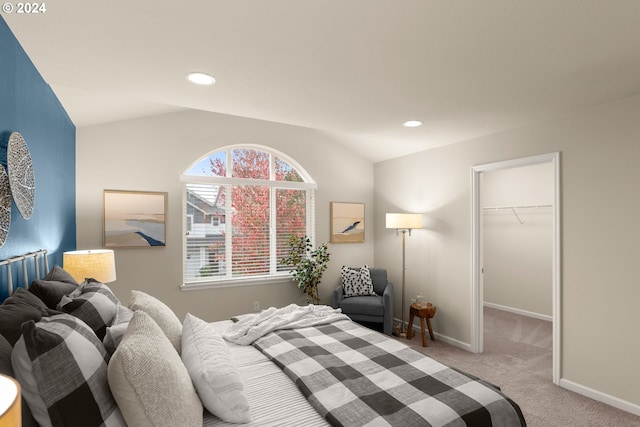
(403, 223)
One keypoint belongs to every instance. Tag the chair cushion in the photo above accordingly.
(379, 279)
(370, 305)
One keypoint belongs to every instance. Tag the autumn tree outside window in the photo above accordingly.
(241, 204)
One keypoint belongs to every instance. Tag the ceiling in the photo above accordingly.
(355, 70)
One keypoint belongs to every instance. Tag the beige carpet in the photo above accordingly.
(517, 357)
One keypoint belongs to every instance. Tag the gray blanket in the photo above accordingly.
(354, 376)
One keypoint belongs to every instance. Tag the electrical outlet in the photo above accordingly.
(256, 306)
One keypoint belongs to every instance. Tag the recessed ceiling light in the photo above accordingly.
(412, 123)
(201, 79)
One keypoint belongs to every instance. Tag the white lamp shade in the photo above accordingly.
(10, 407)
(97, 264)
(404, 221)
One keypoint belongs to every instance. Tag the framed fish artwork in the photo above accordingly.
(347, 222)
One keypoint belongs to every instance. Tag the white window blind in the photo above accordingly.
(238, 221)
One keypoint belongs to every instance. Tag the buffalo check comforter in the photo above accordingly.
(354, 376)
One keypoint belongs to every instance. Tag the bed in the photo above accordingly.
(83, 357)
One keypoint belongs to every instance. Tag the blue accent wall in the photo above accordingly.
(29, 106)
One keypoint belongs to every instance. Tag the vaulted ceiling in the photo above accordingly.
(354, 69)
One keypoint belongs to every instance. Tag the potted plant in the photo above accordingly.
(308, 265)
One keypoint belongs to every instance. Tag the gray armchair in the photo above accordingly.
(369, 308)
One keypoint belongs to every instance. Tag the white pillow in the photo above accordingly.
(148, 380)
(215, 376)
(161, 313)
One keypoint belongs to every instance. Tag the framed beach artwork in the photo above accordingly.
(347, 222)
(134, 219)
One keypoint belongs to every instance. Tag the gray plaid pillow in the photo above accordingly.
(62, 368)
(94, 303)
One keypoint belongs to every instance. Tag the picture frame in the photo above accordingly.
(347, 222)
(134, 219)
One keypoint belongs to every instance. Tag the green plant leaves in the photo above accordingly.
(308, 265)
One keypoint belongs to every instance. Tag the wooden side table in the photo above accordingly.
(423, 313)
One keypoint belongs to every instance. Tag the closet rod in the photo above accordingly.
(492, 208)
(513, 209)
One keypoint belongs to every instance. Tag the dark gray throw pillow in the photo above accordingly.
(20, 307)
(50, 291)
(5, 357)
(21, 296)
(58, 274)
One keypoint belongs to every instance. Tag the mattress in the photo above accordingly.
(273, 397)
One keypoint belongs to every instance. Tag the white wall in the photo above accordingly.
(517, 250)
(600, 200)
(149, 154)
(600, 149)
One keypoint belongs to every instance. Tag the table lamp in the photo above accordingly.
(98, 264)
(10, 406)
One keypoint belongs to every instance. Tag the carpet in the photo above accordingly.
(518, 358)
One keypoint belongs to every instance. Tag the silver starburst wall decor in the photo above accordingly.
(22, 179)
(17, 181)
(5, 205)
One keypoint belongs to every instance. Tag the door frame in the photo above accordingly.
(477, 323)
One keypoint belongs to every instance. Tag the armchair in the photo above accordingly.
(369, 308)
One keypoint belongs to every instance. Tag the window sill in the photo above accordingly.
(215, 284)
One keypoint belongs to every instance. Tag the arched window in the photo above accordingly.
(240, 205)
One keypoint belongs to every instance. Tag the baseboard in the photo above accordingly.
(600, 396)
(518, 311)
(452, 341)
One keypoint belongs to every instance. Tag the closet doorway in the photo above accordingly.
(499, 215)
